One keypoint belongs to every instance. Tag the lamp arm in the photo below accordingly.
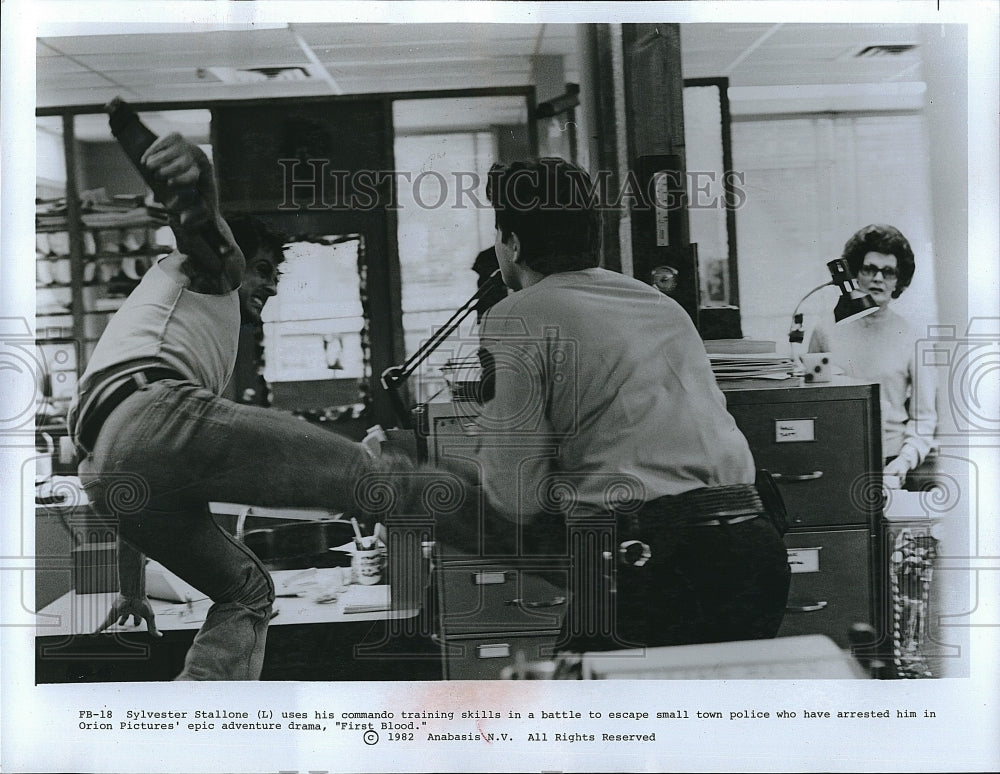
(394, 376)
(428, 347)
(796, 334)
(807, 295)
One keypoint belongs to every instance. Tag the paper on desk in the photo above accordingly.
(366, 599)
(368, 595)
(163, 584)
(296, 583)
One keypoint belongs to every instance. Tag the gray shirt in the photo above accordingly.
(604, 393)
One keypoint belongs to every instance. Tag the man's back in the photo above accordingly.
(615, 374)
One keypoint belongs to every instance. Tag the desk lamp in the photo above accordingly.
(852, 305)
(394, 376)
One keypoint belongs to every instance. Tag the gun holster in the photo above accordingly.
(773, 501)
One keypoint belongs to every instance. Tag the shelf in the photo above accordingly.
(64, 227)
(153, 252)
(67, 285)
(69, 312)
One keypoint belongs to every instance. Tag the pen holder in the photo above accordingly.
(368, 565)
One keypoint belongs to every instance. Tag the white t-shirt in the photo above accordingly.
(163, 323)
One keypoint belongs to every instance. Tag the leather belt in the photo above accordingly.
(93, 417)
(705, 507)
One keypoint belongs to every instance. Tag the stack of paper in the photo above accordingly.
(759, 366)
(99, 210)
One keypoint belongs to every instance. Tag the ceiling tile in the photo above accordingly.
(56, 65)
(78, 80)
(245, 40)
(216, 58)
(403, 57)
(160, 77)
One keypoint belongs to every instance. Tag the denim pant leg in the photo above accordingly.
(230, 643)
(171, 448)
(209, 449)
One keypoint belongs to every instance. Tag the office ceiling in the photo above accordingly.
(202, 63)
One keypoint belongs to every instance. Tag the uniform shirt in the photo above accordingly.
(603, 394)
(882, 348)
(162, 323)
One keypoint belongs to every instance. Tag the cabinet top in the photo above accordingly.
(839, 388)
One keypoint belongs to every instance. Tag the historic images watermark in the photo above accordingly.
(310, 184)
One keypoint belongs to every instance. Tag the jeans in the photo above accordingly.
(172, 447)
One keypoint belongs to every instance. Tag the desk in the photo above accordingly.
(306, 640)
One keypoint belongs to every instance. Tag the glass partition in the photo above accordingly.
(445, 148)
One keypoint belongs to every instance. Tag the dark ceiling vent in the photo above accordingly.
(261, 74)
(886, 49)
(280, 73)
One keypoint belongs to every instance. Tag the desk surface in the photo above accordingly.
(74, 613)
(810, 656)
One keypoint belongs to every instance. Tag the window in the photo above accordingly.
(314, 329)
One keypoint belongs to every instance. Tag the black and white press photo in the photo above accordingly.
(450, 386)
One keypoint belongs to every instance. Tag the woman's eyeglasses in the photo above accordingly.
(869, 270)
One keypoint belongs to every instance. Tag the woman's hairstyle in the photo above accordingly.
(549, 203)
(252, 235)
(878, 238)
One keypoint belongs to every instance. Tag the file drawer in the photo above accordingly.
(478, 657)
(830, 587)
(819, 453)
(499, 598)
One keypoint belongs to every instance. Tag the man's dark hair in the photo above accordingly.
(252, 235)
(879, 238)
(548, 204)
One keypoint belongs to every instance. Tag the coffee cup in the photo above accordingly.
(368, 565)
(817, 367)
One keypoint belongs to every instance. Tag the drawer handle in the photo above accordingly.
(494, 650)
(809, 607)
(792, 478)
(554, 602)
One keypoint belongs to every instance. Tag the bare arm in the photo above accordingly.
(131, 600)
(210, 268)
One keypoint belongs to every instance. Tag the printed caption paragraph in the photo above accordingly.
(491, 726)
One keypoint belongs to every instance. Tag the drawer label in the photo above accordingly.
(489, 578)
(804, 559)
(494, 650)
(794, 430)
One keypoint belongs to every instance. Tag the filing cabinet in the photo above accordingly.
(831, 586)
(475, 657)
(823, 445)
(493, 610)
(496, 612)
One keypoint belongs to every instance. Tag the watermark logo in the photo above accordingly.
(964, 371)
(311, 184)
